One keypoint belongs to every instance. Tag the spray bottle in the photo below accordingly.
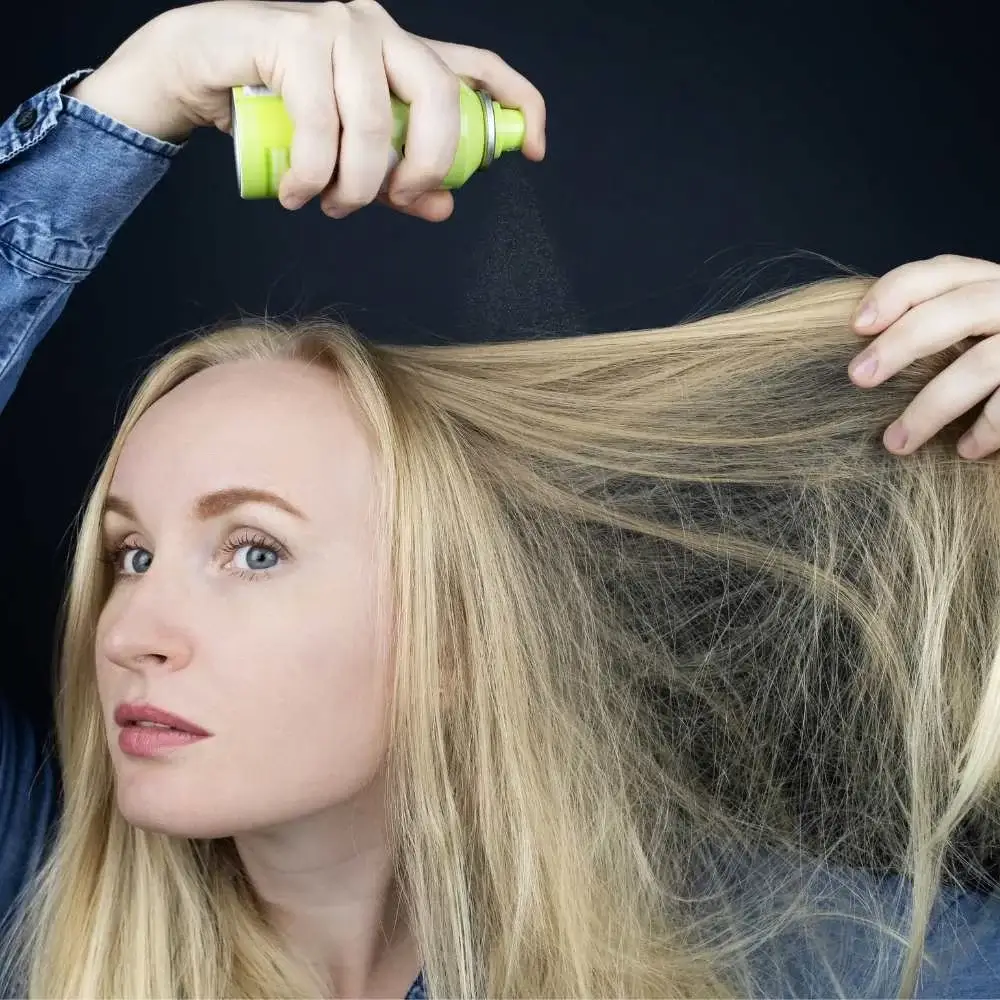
(262, 136)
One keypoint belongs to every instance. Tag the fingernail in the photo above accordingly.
(334, 212)
(896, 437)
(866, 315)
(292, 202)
(864, 365)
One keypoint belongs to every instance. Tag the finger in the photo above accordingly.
(419, 78)
(365, 119)
(962, 385)
(966, 311)
(487, 71)
(983, 437)
(915, 282)
(433, 206)
(392, 158)
(309, 97)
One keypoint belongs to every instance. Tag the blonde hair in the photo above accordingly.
(686, 609)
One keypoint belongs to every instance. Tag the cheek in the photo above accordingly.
(296, 696)
(322, 689)
(307, 726)
(103, 671)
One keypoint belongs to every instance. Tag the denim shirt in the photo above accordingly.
(69, 179)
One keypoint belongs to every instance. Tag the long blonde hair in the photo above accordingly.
(685, 607)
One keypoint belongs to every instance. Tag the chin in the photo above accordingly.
(169, 827)
(176, 825)
(148, 807)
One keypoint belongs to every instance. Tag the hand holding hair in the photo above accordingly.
(919, 309)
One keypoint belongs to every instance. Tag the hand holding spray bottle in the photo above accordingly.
(187, 69)
(262, 136)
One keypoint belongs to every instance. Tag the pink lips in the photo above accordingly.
(167, 733)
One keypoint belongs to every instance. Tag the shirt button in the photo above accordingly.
(25, 119)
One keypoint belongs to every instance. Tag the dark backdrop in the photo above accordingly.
(695, 149)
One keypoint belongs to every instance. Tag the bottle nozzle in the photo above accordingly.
(503, 128)
(510, 128)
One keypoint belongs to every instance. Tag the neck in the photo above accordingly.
(327, 882)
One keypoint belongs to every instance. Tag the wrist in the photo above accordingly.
(128, 88)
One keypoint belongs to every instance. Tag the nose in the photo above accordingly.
(145, 631)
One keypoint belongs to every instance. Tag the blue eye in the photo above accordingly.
(130, 560)
(255, 557)
(141, 562)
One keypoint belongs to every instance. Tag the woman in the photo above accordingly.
(554, 642)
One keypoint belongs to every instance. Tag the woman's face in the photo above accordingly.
(246, 602)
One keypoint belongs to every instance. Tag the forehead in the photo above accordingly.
(277, 425)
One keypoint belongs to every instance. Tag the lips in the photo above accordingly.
(156, 719)
(148, 731)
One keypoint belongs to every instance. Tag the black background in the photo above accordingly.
(698, 152)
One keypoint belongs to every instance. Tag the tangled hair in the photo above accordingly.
(685, 609)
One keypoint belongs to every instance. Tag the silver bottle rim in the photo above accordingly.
(490, 150)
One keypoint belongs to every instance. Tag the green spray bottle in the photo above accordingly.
(262, 136)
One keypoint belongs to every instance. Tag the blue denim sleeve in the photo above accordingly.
(69, 178)
(28, 795)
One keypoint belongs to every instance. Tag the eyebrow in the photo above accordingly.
(214, 504)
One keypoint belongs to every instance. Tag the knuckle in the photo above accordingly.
(923, 268)
(912, 274)
(319, 117)
(981, 303)
(984, 293)
(367, 7)
(488, 63)
(891, 279)
(981, 360)
(298, 31)
(334, 11)
(445, 84)
(375, 122)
